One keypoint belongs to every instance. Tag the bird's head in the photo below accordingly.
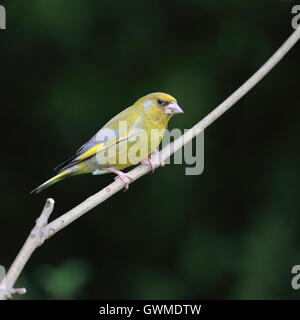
(159, 105)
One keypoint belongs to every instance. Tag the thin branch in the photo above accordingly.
(34, 240)
(7, 294)
(43, 231)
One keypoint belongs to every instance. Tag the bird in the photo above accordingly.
(127, 139)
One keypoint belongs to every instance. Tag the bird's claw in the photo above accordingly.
(123, 176)
(149, 162)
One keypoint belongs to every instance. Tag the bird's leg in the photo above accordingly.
(149, 162)
(122, 175)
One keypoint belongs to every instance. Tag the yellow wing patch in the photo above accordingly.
(129, 115)
(92, 151)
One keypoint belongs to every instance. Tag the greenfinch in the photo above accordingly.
(127, 139)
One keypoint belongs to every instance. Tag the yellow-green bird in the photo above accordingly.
(125, 140)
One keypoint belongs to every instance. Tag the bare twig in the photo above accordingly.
(34, 240)
(7, 294)
(43, 231)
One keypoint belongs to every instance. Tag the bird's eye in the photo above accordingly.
(159, 101)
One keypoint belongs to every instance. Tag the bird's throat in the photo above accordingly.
(158, 118)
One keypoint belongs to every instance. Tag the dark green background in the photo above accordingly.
(67, 67)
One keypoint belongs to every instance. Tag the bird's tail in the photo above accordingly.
(50, 182)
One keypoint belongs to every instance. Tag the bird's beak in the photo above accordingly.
(173, 108)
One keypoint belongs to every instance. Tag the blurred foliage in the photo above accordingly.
(64, 281)
(67, 67)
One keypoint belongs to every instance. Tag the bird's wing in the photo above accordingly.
(117, 129)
